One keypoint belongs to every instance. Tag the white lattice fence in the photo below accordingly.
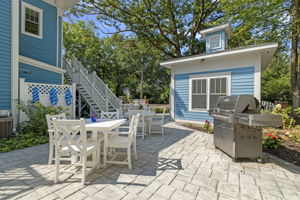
(44, 95)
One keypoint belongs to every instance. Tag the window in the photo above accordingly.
(199, 94)
(215, 41)
(205, 91)
(32, 20)
(217, 89)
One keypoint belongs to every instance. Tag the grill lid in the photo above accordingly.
(239, 104)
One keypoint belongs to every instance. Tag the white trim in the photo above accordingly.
(39, 64)
(257, 76)
(220, 41)
(225, 27)
(61, 43)
(57, 38)
(212, 75)
(40, 11)
(222, 53)
(62, 4)
(207, 77)
(14, 59)
(172, 92)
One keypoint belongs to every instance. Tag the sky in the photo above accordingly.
(103, 30)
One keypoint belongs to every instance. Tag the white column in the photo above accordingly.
(22, 90)
(257, 76)
(74, 100)
(14, 59)
(172, 95)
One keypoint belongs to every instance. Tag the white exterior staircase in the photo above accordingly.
(90, 89)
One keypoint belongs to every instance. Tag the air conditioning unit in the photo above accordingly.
(6, 126)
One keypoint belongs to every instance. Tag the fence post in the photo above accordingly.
(74, 100)
(23, 88)
(106, 97)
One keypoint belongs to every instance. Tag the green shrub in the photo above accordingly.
(271, 141)
(161, 110)
(36, 117)
(288, 122)
(22, 141)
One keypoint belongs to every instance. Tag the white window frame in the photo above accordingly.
(209, 76)
(36, 9)
(214, 36)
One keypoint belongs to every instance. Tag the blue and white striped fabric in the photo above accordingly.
(68, 97)
(53, 97)
(35, 95)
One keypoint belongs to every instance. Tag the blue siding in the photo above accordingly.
(38, 75)
(223, 41)
(5, 54)
(45, 49)
(242, 82)
(59, 41)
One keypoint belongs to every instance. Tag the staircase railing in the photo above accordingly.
(96, 88)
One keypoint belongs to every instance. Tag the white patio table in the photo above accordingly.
(104, 126)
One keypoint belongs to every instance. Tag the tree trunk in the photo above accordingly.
(142, 81)
(295, 68)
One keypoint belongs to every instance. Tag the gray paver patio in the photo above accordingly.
(183, 164)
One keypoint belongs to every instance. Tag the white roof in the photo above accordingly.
(267, 51)
(225, 27)
(62, 4)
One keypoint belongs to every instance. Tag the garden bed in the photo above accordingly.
(289, 149)
(197, 127)
(21, 141)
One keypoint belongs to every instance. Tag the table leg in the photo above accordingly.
(143, 129)
(95, 154)
(105, 148)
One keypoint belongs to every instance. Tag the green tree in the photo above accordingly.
(171, 26)
(276, 80)
(268, 20)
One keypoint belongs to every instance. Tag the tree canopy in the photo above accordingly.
(123, 63)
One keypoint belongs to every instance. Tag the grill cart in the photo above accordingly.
(237, 126)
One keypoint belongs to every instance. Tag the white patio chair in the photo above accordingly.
(71, 139)
(125, 140)
(110, 115)
(49, 119)
(142, 122)
(157, 121)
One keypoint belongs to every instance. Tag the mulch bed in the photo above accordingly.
(196, 127)
(288, 151)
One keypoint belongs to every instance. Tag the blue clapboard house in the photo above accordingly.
(31, 62)
(198, 81)
(30, 45)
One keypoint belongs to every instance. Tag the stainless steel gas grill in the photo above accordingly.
(237, 126)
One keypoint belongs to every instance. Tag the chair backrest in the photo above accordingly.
(50, 119)
(71, 134)
(131, 113)
(110, 115)
(133, 127)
